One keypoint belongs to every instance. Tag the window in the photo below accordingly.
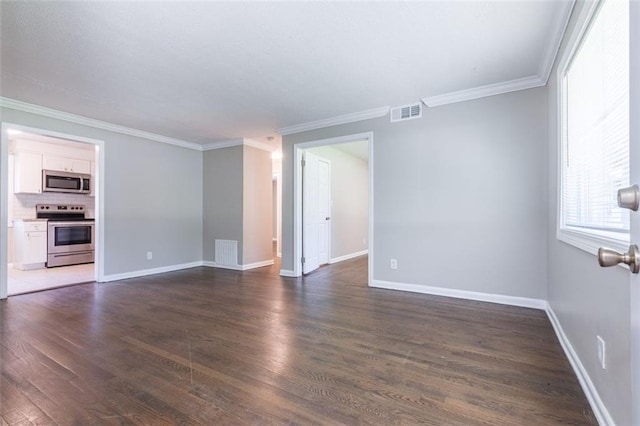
(594, 130)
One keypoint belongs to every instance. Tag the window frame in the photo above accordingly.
(591, 240)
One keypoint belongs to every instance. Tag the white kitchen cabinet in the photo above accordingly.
(29, 244)
(27, 173)
(62, 164)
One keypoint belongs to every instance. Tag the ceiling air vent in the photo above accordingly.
(406, 112)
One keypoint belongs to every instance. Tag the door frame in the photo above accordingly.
(328, 201)
(4, 196)
(634, 159)
(298, 150)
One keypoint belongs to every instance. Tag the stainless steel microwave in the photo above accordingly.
(56, 181)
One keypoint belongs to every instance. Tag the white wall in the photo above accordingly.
(588, 300)
(153, 197)
(274, 209)
(349, 201)
(460, 196)
(257, 208)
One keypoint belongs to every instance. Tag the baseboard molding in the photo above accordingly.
(287, 273)
(239, 267)
(524, 302)
(348, 256)
(144, 272)
(598, 407)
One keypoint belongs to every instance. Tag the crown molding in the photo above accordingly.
(555, 40)
(86, 121)
(334, 121)
(484, 91)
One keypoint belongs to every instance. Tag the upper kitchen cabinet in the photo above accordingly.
(27, 173)
(66, 164)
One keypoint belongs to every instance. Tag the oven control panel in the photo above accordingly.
(63, 208)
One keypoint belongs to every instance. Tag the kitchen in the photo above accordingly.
(51, 234)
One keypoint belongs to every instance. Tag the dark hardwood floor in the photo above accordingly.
(214, 347)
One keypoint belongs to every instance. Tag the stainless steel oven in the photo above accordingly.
(70, 236)
(70, 242)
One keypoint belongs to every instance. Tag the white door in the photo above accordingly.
(324, 205)
(310, 214)
(634, 178)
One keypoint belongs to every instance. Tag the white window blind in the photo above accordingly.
(595, 133)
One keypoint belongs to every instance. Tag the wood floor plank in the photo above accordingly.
(212, 346)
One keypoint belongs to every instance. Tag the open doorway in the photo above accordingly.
(342, 230)
(50, 210)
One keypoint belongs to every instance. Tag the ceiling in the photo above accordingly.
(209, 72)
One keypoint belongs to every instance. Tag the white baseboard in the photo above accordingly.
(239, 267)
(598, 407)
(524, 302)
(348, 256)
(287, 273)
(153, 271)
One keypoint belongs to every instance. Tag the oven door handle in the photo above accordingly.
(81, 183)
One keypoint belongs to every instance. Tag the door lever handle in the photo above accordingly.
(608, 257)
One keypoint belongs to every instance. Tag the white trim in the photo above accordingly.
(239, 267)
(348, 256)
(153, 271)
(592, 241)
(484, 91)
(4, 212)
(297, 195)
(86, 121)
(590, 391)
(335, 121)
(555, 40)
(501, 299)
(287, 273)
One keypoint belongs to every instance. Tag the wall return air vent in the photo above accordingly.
(406, 112)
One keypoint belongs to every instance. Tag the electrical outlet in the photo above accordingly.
(149, 255)
(602, 352)
(394, 263)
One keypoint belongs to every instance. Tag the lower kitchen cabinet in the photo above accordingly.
(29, 244)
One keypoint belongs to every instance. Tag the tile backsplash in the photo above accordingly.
(24, 205)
